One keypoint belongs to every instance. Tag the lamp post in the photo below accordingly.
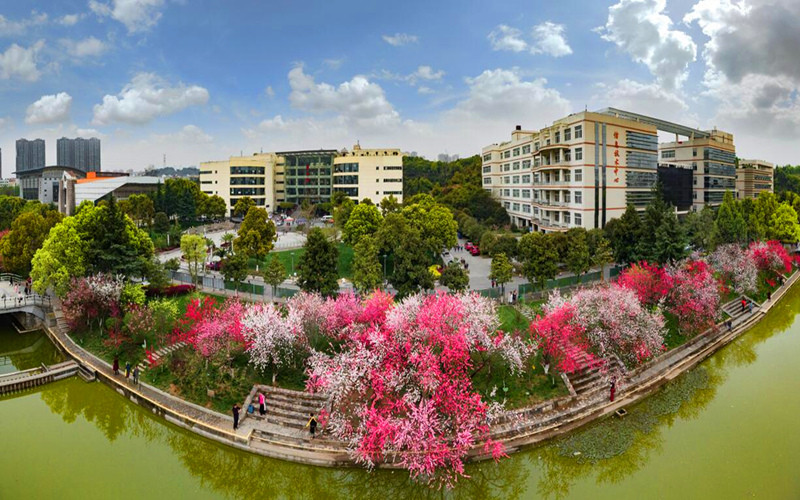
(384, 266)
(292, 256)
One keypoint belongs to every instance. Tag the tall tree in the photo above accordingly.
(342, 212)
(10, 208)
(215, 207)
(760, 221)
(578, 258)
(367, 275)
(729, 226)
(501, 270)
(434, 222)
(783, 225)
(275, 273)
(234, 268)
(454, 277)
(600, 250)
(256, 234)
(389, 205)
(193, 248)
(539, 258)
(28, 232)
(410, 272)
(364, 220)
(61, 258)
(624, 235)
(317, 269)
(699, 228)
(243, 206)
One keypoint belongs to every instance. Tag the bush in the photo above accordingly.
(171, 291)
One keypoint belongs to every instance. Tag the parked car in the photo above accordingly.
(468, 246)
(214, 265)
(474, 250)
(327, 219)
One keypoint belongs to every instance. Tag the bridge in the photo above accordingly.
(28, 379)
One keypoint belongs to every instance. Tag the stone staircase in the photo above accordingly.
(594, 375)
(144, 365)
(734, 309)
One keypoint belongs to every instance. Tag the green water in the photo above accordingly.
(728, 429)
(23, 351)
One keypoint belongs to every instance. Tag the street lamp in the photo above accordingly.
(384, 266)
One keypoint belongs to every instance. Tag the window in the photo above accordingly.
(507, 180)
(247, 170)
(346, 167)
(526, 149)
(694, 151)
(526, 193)
(526, 164)
(506, 192)
(516, 179)
(536, 178)
(516, 165)
(579, 175)
(526, 209)
(669, 153)
(556, 157)
(515, 193)
(568, 155)
(487, 157)
(566, 175)
(578, 221)
(487, 180)
(516, 152)
(694, 165)
(568, 134)
(536, 161)
(393, 168)
(506, 167)
(556, 176)
(536, 146)
(578, 197)
(526, 179)
(558, 137)
(566, 197)
(516, 207)
(506, 154)
(535, 211)
(487, 169)
(578, 131)
(566, 218)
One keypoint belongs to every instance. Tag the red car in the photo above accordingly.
(474, 250)
(468, 246)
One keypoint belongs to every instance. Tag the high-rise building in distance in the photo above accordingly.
(83, 154)
(30, 154)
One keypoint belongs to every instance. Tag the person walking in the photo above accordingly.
(744, 303)
(115, 366)
(235, 411)
(136, 375)
(127, 370)
(262, 407)
(312, 425)
(613, 388)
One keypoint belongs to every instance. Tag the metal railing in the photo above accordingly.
(33, 299)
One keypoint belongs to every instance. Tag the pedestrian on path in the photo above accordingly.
(115, 366)
(235, 411)
(262, 407)
(750, 308)
(613, 388)
(744, 303)
(136, 375)
(127, 370)
(729, 323)
(312, 425)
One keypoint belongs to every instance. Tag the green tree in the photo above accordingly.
(501, 270)
(487, 243)
(729, 226)
(243, 206)
(539, 258)
(140, 208)
(114, 244)
(600, 250)
(783, 225)
(256, 234)
(10, 208)
(454, 277)
(760, 221)
(193, 248)
(364, 220)
(172, 264)
(27, 235)
(234, 268)
(624, 234)
(410, 260)
(390, 205)
(664, 240)
(578, 258)
(367, 273)
(342, 213)
(60, 259)
(699, 228)
(317, 266)
(435, 224)
(161, 223)
(506, 244)
(275, 273)
(215, 208)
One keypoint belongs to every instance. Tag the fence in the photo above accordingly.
(217, 283)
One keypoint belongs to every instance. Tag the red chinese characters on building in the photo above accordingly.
(616, 157)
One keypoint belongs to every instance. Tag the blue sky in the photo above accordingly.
(201, 80)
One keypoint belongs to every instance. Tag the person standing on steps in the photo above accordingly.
(744, 303)
(115, 366)
(262, 407)
(235, 411)
(312, 425)
(613, 388)
(127, 370)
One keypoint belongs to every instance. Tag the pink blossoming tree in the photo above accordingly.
(650, 283)
(736, 267)
(695, 296)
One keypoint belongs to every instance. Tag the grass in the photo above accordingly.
(527, 388)
(290, 258)
(512, 320)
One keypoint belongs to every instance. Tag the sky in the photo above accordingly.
(200, 80)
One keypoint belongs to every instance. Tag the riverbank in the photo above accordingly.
(520, 429)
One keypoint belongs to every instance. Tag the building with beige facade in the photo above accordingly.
(313, 175)
(369, 173)
(581, 171)
(753, 177)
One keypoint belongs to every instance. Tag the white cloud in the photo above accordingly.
(752, 64)
(136, 15)
(548, 38)
(333, 63)
(507, 38)
(69, 19)
(190, 134)
(89, 132)
(425, 90)
(49, 109)
(16, 28)
(88, 47)
(399, 39)
(427, 73)
(269, 91)
(358, 99)
(146, 97)
(642, 29)
(20, 62)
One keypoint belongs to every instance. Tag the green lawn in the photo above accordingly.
(512, 320)
(289, 258)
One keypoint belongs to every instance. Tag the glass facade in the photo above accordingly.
(310, 172)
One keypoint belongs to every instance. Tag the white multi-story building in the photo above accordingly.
(369, 173)
(753, 177)
(582, 171)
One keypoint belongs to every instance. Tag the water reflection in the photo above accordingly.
(21, 351)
